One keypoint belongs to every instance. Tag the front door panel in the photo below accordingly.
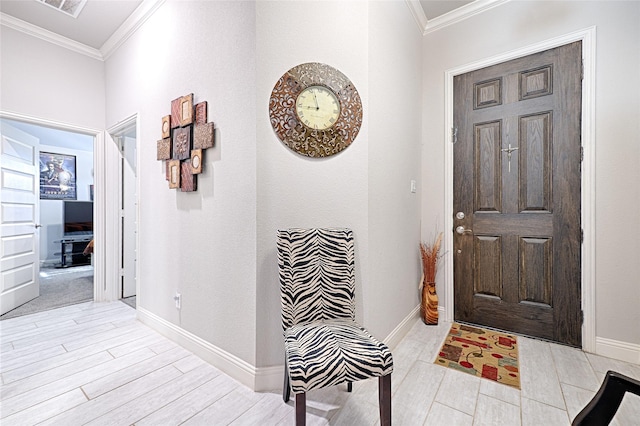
(517, 180)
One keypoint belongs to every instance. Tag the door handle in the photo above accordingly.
(37, 225)
(460, 230)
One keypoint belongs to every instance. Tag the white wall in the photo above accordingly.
(43, 80)
(296, 191)
(217, 245)
(201, 244)
(395, 146)
(377, 46)
(617, 142)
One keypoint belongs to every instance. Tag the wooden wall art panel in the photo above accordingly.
(186, 134)
(186, 110)
(182, 143)
(188, 181)
(203, 136)
(175, 113)
(164, 149)
(174, 174)
(166, 127)
(196, 161)
(201, 112)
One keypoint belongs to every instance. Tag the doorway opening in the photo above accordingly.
(124, 136)
(517, 161)
(49, 266)
(587, 37)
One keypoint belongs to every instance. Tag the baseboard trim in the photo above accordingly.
(230, 364)
(269, 378)
(403, 328)
(256, 379)
(616, 349)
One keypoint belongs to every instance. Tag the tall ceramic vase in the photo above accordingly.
(429, 305)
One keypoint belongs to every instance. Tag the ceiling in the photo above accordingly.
(434, 8)
(97, 22)
(99, 19)
(54, 137)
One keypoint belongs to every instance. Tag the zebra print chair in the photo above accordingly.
(324, 346)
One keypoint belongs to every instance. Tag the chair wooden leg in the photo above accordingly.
(286, 387)
(349, 386)
(384, 397)
(301, 409)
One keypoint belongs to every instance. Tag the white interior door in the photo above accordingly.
(19, 196)
(129, 219)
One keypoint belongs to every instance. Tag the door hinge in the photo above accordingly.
(582, 70)
(581, 236)
(581, 317)
(581, 154)
(454, 134)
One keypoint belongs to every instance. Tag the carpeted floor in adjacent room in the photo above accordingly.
(58, 287)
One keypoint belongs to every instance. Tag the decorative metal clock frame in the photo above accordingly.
(293, 132)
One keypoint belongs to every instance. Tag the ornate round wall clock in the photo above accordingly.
(315, 110)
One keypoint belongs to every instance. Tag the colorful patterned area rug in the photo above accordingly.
(484, 353)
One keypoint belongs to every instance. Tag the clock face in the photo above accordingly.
(318, 107)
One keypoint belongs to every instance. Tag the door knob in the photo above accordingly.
(460, 230)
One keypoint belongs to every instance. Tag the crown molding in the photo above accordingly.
(418, 13)
(146, 9)
(46, 35)
(460, 14)
(130, 26)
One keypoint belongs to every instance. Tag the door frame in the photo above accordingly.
(99, 178)
(115, 195)
(588, 38)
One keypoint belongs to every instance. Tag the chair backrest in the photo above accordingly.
(317, 275)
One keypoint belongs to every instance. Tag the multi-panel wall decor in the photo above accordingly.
(186, 134)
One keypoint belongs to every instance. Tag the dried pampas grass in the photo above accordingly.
(430, 256)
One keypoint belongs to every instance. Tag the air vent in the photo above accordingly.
(68, 7)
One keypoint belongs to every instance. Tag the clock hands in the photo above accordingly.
(317, 108)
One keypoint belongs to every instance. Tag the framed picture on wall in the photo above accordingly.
(57, 176)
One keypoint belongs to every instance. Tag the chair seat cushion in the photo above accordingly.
(331, 352)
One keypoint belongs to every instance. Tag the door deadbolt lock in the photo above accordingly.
(460, 230)
(460, 215)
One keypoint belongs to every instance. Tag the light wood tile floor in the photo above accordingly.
(95, 364)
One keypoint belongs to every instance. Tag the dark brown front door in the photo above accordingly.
(517, 230)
